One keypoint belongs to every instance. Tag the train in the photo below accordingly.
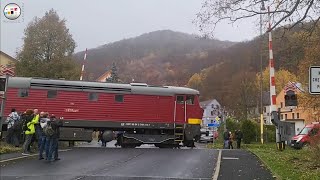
(166, 116)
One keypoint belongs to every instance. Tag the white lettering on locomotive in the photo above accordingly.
(71, 110)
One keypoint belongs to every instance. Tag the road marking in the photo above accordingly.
(31, 155)
(217, 169)
(230, 158)
(148, 177)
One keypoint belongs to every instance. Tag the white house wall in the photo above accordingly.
(207, 117)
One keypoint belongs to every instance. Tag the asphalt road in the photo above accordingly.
(242, 165)
(88, 163)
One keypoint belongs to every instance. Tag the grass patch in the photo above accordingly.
(7, 148)
(288, 164)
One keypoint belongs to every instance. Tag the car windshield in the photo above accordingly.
(305, 131)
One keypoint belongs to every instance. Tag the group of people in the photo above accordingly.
(229, 137)
(35, 126)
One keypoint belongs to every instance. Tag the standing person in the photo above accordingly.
(226, 137)
(54, 139)
(231, 140)
(13, 123)
(39, 131)
(29, 129)
(42, 139)
(239, 136)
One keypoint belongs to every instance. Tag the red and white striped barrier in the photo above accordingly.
(273, 96)
(82, 69)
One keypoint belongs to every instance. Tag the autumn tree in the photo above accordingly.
(283, 77)
(243, 94)
(311, 58)
(195, 82)
(47, 50)
(283, 12)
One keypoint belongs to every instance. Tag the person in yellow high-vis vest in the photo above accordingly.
(31, 119)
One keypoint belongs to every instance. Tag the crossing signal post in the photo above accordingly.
(291, 99)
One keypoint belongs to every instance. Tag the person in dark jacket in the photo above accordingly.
(13, 121)
(239, 137)
(226, 137)
(54, 139)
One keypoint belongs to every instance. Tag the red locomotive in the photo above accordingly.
(166, 116)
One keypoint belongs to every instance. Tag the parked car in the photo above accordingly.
(207, 136)
(303, 138)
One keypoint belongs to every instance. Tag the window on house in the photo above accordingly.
(281, 116)
(265, 109)
(190, 99)
(286, 116)
(52, 94)
(292, 115)
(23, 92)
(93, 96)
(281, 104)
(180, 99)
(298, 115)
(118, 98)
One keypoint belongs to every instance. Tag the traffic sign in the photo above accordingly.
(217, 118)
(215, 123)
(314, 80)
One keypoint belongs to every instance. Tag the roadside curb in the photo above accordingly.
(217, 168)
(26, 156)
(275, 175)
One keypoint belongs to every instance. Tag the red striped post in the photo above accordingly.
(273, 95)
(82, 69)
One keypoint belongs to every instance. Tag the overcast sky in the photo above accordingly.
(96, 22)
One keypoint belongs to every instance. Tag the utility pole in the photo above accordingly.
(224, 119)
(261, 82)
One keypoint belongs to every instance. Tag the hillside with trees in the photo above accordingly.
(160, 57)
(229, 72)
(235, 81)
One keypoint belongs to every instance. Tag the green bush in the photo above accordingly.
(269, 133)
(248, 129)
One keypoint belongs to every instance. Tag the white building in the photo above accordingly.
(211, 111)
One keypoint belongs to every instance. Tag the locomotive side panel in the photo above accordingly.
(76, 105)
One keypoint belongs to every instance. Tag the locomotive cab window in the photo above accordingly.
(52, 94)
(23, 93)
(190, 99)
(93, 96)
(180, 99)
(118, 98)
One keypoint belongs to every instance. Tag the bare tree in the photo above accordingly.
(288, 13)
